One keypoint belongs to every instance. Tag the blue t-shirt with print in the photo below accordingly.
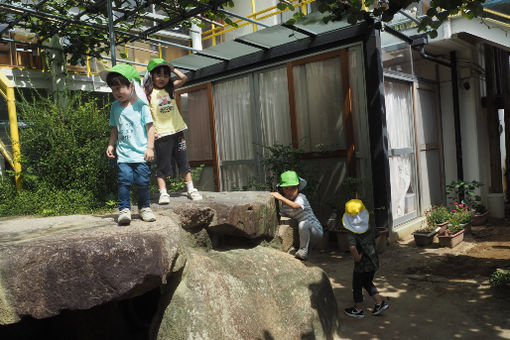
(132, 138)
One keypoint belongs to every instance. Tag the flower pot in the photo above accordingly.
(423, 239)
(467, 227)
(480, 219)
(442, 228)
(451, 240)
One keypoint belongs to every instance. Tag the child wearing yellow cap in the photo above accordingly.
(366, 262)
(296, 206)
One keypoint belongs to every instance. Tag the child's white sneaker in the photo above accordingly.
(194, 195)
(147, 215)
(124, 217)
(164, 199)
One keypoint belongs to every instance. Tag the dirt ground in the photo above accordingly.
(433, 292)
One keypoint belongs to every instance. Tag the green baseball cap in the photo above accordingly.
(158, 62)
(126, 70)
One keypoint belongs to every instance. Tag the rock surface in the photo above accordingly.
(77, 263)
(259, 293)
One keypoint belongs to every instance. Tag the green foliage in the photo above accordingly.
(460, 215)
(350, 188)
(499, 278)
(464, 192)
(65, 169)
(437, 215)
(176, 184)
(279, 158)
(440, 10)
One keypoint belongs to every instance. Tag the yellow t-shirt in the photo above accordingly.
(165, 113)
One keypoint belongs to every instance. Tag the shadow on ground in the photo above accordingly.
(434, 293)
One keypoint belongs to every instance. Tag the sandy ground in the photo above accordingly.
(433, 292)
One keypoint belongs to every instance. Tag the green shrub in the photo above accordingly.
(65, 169)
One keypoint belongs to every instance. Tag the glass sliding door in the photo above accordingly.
(402, 150)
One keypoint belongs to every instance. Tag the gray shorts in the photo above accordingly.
(169, 149)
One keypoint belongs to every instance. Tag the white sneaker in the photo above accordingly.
(164, 199)
(124, 217)
(147, 215)
(194, 195)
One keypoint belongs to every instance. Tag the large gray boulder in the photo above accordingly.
(261, 293)
(75, 268)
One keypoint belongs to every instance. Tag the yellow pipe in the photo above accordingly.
(497, 13)
(8, 88)
(253, 14)
(6, 153)
(211, 34)
(89, 71)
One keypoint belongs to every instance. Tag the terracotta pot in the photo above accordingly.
(424, 239)
(451, 240)
(480, 219)
(442, 227)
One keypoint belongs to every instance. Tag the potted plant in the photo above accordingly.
(464, 192)
(460, 218)
(437, 216)
(425, 235)
(480, 214)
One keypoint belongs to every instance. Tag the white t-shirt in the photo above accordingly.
(303, 214)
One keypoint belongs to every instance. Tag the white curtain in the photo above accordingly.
(195, 111)
(274, 107)
(319, 105)
(399, 121)
(234, 131)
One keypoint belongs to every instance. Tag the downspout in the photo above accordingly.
(456, 107)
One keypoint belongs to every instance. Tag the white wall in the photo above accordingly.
(475, 149)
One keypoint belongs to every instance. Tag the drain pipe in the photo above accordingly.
(456, 108)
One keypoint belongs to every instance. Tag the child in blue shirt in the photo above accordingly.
(131, 140)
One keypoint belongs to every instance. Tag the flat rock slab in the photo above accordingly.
(78, 262)
(246, 214)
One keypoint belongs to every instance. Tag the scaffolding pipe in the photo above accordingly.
(8, 88)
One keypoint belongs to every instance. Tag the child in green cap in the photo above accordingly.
(296, 206)
(170, 144)
(131, 140)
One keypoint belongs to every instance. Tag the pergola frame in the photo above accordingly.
(129, 11)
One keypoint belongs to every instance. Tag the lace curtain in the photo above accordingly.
(399, 121)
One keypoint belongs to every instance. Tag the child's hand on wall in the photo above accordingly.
(276, 195)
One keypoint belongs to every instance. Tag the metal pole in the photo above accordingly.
(110, 29)
(456, 115)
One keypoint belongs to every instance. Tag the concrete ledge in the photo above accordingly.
(404, 231)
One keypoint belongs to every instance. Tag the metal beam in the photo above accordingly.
(110, 30)
(12, 23)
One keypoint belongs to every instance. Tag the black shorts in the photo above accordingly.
(169, 149)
